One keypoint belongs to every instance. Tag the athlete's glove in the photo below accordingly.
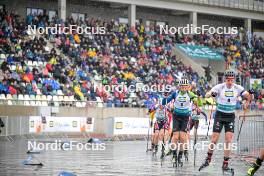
(166, 94)
(198, 93)
(2, 125)
(214, 94)
(251, 91)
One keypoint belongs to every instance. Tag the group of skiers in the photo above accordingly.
(181, 109)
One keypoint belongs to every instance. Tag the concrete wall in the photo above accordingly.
(18, 116)
(109, 11)
(17, 122)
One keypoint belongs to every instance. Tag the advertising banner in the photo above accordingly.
(130, 125)
(200, 52)
(39, 124)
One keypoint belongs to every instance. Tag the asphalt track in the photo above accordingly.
(118, 158)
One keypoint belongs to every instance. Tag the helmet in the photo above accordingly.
(184, 82)
(230, 73)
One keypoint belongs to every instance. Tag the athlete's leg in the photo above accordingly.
(183, 139)
(262, 154)
(161, 134)
(217, 128)
(156, 137)
(229, 133)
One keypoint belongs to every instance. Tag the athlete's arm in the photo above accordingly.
(196, 98)
(248, 96)
(168, 99)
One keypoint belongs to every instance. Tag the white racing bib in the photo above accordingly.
(182, 104)
(226, 98)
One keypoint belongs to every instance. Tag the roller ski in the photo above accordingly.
(162, 154)
(168, 152)
(180, 162)
(186, 155)
(227, 170)
(175, 161)
(155, 150)
(205, 164)
(254, 167)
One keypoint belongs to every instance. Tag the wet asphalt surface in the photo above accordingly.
(118, 158)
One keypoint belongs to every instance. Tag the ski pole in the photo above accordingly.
(210, 117)
(195, 141)
(244, 115)
(148, 136)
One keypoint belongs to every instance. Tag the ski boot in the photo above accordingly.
(205, 163)
(180, 162)
(155, 150)
(175, 160)
(168, 152)
(152, 147)
(227, 169)
(251, 171)
(186, 155)
(162, 154)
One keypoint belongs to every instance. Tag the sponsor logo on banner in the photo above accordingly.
(130, 125)
(200, 52)
(60, 124)
(119, 125)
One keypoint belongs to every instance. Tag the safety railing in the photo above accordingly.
(251, 136)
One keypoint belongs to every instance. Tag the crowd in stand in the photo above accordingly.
(84, 64)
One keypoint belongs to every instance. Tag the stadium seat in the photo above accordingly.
(60, 98)
(9, 102)
(83, 104)
(55, 100)
(44, 98)
(35, 63)
(72, 98)
(78, 104)
(66, 98)
(38, 92)
(59, 92)
(133, 95)
(99, 102)
(26, 103)
(32, 97)
(2, 56)
(49, 98)
(26, 100)
(15, 99)
(29, 63)
(32, 103)
(38, 100)
(32, 100)
(26, 97)
(9, 97)
(13, 67)
(40, 64)
(44, 103)
(2, 97)
(20, 97)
